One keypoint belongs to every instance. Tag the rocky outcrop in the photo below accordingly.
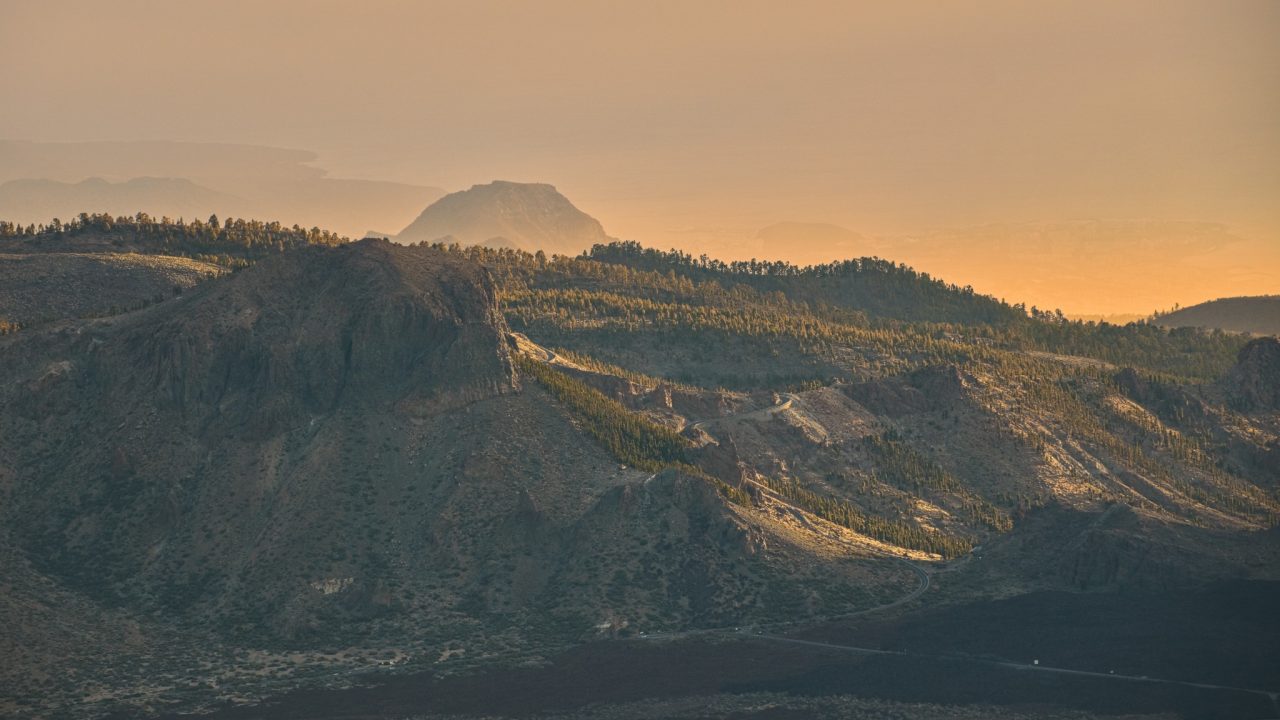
(198, 453)
(1254, 383)
(929, 388)
(331, 441)
(300, 336)
(1167, 400)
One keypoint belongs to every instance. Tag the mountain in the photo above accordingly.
(99, 265)
(40, 201)
(42, 181)
(1255, 315)
(867, 285)
(1100, 269)
(335, 463)
(40, 287)
(1095, 266)
(528, 216)
(1254, 381)
(335, 445)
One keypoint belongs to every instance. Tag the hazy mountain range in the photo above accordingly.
(1091, 267)
(583, 360)
(41, 181)
(24, 200)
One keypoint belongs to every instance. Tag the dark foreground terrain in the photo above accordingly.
(1208, 653)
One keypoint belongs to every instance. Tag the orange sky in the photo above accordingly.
(701, 122)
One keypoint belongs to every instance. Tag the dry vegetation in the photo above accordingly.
(340, 463)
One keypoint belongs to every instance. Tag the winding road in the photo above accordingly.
(786, 400)
(758, 632)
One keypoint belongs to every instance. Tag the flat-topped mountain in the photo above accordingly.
(335, 445)
(528, 216)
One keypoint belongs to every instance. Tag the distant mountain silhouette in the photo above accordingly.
(1258, 315)
(41, 181)
(529, 216)
(42, 200)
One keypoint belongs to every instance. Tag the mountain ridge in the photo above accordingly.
(1256, 314)
(41, 181)
(332, 444)
(336, 456)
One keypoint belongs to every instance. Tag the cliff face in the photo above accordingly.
(292, 338)
(1254, 382)
(200, 454)
(334, 442)
(363, 324)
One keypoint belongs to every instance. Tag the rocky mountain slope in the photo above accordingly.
(527, 216)
(963, 429)
(1254, 382)
(350, 457)
(333, 447)
(99, 265)
(37, 288)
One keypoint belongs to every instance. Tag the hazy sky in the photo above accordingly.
(665, 116)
